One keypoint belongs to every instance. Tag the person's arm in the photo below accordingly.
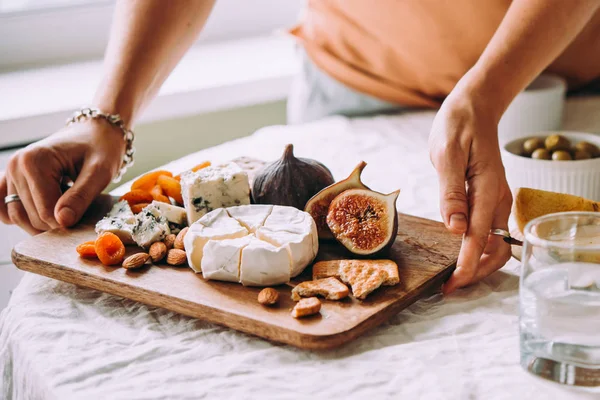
(148, 38)
(464, 142)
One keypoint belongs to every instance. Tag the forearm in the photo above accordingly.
(532, 35)
(147, 40)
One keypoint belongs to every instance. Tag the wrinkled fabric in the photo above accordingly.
(59, 341)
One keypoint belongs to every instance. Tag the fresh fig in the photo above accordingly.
(318, 205)
(290, 181)
(364, 221)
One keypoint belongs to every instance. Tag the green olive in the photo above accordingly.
(532, 145)
(541, 154)
(561, 155)
(582, 155)
(589, 148)
(557, 142)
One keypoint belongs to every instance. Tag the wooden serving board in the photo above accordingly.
(424, 250)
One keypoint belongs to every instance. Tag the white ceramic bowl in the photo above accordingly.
(580, 178)
(539, 108)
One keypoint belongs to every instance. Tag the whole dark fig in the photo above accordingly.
(290, 181)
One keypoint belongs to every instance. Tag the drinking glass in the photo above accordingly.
(560, 299)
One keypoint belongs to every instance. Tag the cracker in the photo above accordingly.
(330, 288)
(363, 278)
(306, 307)
(326, 269)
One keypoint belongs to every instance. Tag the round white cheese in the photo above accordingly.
(256, 245)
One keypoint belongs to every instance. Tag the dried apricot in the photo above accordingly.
(158, 195)
(201, 165)
(170, 187)
(87, 250)
(137, 196)
(109, 248)
(137, 208)
(148, 181)
(194, 169)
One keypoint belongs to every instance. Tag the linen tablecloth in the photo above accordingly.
(59, 341)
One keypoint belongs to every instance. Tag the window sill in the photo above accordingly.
(211, 77)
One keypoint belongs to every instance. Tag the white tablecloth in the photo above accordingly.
(58, 341)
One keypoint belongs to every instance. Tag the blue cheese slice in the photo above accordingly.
(151, 226)
(120, 221)
(221, 259)
(212, 188)
(216, 225)
(173, 214)
(263, 264)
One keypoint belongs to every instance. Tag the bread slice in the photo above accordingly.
(330, 288)
(326, 269)
(363, 278)
(532, 203)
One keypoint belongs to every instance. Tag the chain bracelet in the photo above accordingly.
(116, 121)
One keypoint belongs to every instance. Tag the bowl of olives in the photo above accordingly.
(565, 162)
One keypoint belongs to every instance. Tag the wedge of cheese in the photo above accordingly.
(216, 225)
(221, 258)
(263, 264)
(256, 245)
(214, 187)
(120, 220)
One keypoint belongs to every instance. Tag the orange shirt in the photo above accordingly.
(412, 52)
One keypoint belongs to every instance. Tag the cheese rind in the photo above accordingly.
(221, 259)
(252, 217)
(264, 264)
(120, 221)
(274, 243)
(216, 225)
(298, 246)
(214, 187)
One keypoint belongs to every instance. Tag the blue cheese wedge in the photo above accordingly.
(256, 245)
(120, 221)
(212, 188)
(173, 214)
(216, 225)
(263, 264)
(151, 226)
(221, 259)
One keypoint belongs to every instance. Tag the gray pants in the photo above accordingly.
(315, 95)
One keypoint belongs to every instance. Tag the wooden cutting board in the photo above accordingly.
(424, 250)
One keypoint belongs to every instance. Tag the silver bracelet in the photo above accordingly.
(116, 121)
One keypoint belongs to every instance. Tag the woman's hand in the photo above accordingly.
(88, 153)
(474, 194)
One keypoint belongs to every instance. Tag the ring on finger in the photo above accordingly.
(11, 198)
(506, 236)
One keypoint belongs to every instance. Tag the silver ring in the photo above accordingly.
(500, 232)
(11, 197)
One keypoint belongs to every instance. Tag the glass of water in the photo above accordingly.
(560, 299)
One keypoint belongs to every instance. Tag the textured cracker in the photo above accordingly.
(326, 269)
(364, 279)
(330, 288)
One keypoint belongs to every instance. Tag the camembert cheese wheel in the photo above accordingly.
(256, 245)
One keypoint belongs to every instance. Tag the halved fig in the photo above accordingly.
(364, 221)
(318, 205)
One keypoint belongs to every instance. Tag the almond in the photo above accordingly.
(158, 251)
(179, 239)
(176, 257)
(169, 241)
(136, 261)
(268, 296)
